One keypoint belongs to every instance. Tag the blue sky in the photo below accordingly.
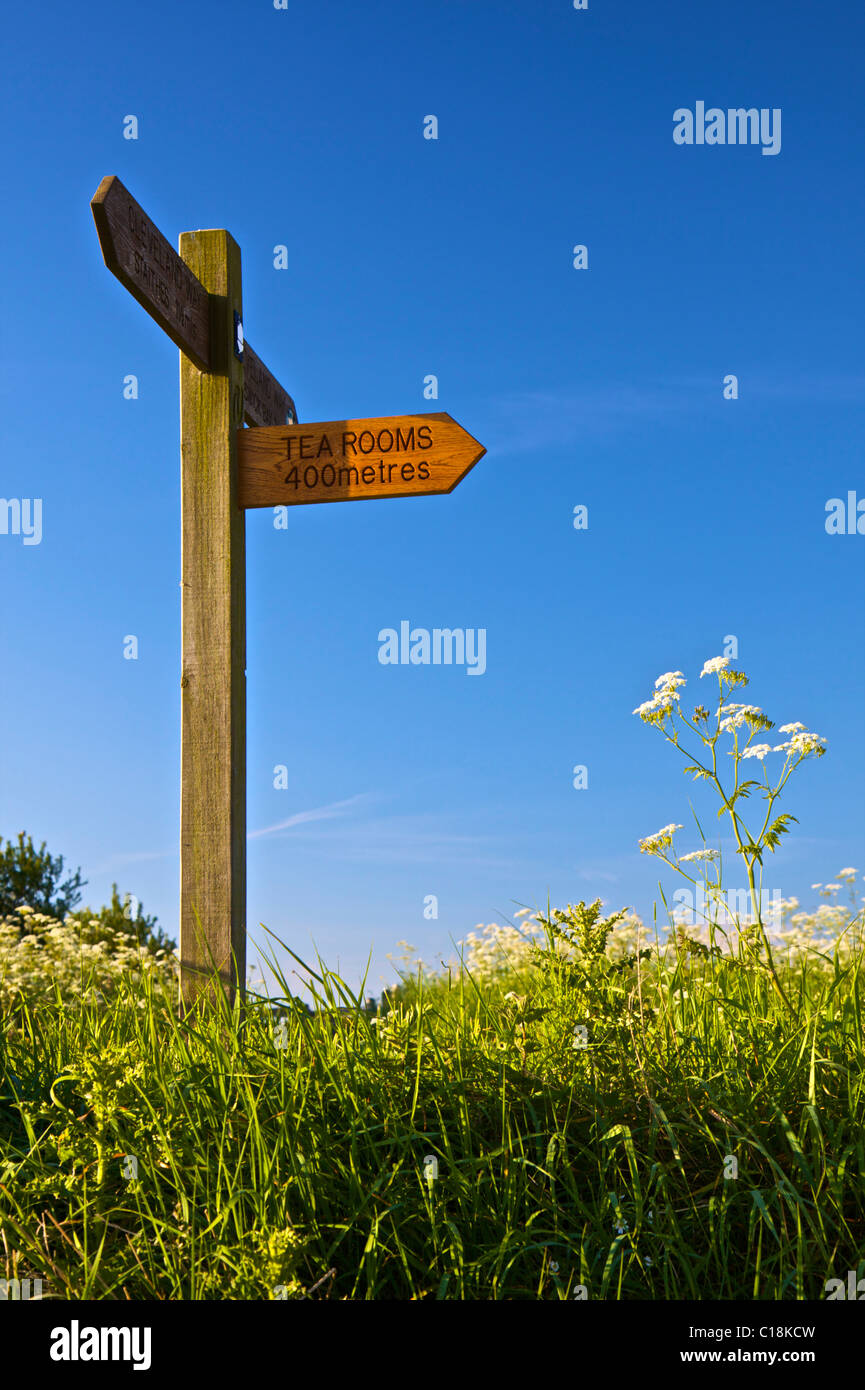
(600, 387)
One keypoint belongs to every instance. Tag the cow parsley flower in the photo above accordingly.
(737, 715)
(696, 854)
(657, 709)
(757, 750)
(716, 663)
(660, 840)
(801, 745)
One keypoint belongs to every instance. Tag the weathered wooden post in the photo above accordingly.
(213, 679)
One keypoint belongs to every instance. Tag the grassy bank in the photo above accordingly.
(581, 1121)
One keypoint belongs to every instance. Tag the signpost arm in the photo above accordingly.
(213, 680)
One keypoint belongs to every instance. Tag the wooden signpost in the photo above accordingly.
(195, 297)
(344, 460)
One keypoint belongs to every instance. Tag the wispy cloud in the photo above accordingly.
(600, 875)
(317, 813)
(530, 419)
(387, 839)
(135, 857)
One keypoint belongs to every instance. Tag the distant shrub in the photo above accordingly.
(117, 924)
(34, 878)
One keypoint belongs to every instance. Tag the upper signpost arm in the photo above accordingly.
(147, 265)
(144, 262)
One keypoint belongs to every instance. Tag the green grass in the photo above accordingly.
(559, 1165)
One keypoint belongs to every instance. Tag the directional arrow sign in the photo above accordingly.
(143, 260)
(347, 460)
(136, 252)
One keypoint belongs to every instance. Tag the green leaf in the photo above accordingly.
(779, 827)
(744, 790)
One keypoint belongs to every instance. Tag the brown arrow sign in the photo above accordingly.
(144, 262)
(348, 460)
(136, 252)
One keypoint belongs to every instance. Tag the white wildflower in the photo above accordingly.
(801, 745)
(54, 954)
(757, 750)
(717, 663)
(697, 854)
(660, 704)
(660, 840)
(737, 715)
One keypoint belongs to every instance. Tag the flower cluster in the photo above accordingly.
(720, 666)
(666, 698)
(663, 701)
(714, 665)
(662, 839)
(829, 927)
(754, 750)
(52, 956)
(493, 950)
(496, 952)
(833, 925)
(802, 743)
(734, 716)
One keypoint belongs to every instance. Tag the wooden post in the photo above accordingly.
(213, 680)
